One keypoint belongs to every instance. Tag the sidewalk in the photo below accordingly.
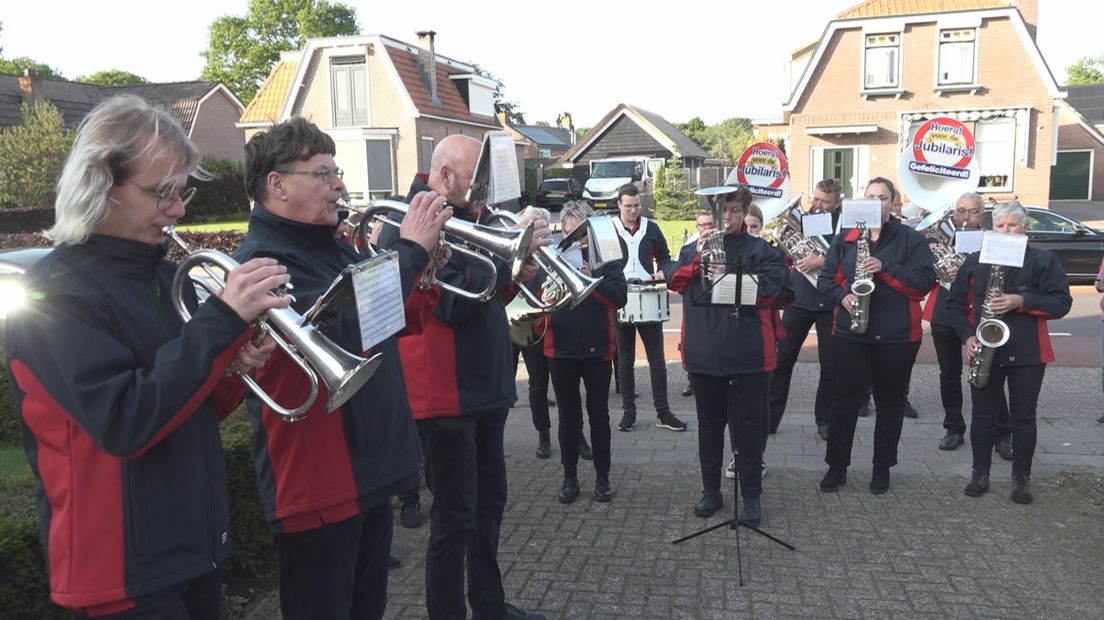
(922, 549)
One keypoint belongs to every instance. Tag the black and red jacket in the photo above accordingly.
(905, 278)
(1046, 296)
(120, 402)
(328, 467)
(716, 340)
(585, 332)
(462, 363)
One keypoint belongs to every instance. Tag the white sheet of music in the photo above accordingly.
(866, 211)
(1001, 249)
(724, 290)
(968, 241)
(815, 224)
(505, 184)
(378, 290)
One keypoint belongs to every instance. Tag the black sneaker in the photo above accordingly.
(1100, 420)
(689, 391)
(1003, 446)
(833, 479)
(544, 445)
(569, 491)
(1021, 494)
(410, 516)
(513, 613)
(585, 452)
(879, 480)
(602, 491)
(979, 484)
(951, 441)
(910, 411)
(670, 422)
(393, 563)
(709, 504)
(628, 422)
(752, 513)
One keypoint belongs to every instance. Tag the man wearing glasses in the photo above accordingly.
(968, 213)
(326, 481)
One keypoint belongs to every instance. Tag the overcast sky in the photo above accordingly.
(709, 59)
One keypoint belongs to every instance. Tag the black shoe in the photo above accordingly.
(628, 421)
(670, 422)
(879, 480)
(709, 504)
(1020, 492)
(689, 391)
(833, 479)
(393, 562)
(752, 513)
(1100, 420)
(585, 452)
(822, 430)
(951, 441)
(569, 491)
(979, 484)
(864, 409)
(910, 411)
(544, 445)
(513, 613)
(1003, 446)
(551, 403)
(410, 516)
(602, 491)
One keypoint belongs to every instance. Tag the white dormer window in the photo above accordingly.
(349, 88)
(957, 51)
(882, 61)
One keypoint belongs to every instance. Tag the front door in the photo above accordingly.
(839, 164)
(1070, 177)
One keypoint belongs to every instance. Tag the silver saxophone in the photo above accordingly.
(863, 284)
(991, 333)
(941, 241)
(786, 232)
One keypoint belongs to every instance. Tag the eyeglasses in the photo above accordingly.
(167, 196)
(631, 207)
(967, 211)
(325, 174)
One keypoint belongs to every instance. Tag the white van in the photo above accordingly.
(609, 174)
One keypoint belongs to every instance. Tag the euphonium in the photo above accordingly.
(991, 333)
(863, 285)
(947, 261)
(713, 252)
(785, 230)
(316, 355)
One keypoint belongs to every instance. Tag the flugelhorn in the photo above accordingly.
(713, 252)
(316, 355)
(512, 246)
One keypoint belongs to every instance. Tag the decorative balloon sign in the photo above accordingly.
(939, 164)
(764, 171)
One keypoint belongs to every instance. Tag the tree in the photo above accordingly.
(514, 115)
(696, 130)
(32, 155)
(242, 50)
(16, 66)
(112, 77)
(543, 124)
(1087, 70)
(673, 198)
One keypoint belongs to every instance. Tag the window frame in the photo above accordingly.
(895, 87)
(972, 83)
(340, 63)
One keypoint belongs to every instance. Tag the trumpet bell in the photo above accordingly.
(342, 372)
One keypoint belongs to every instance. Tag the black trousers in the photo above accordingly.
(1024, 384)
(199, 598)
(739, 402)
(595, 376)
(466, 473)
(651, 334)
(856, 366)
(797, 322)
(948, 350)
(337, 571)
(536, 364)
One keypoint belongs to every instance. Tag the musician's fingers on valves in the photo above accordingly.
(252, 355)
(249, 285)
(424, 219)
(872, 265)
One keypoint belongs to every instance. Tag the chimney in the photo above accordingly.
(29, 87)
(564, 122)
(427, 62)
(502, 118)
(1029, 9)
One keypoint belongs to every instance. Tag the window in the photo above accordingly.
(996, 153)
(544, 153)
(425, 154)
(349, 81)
(882, 61)
(380, 175)
(956, 57)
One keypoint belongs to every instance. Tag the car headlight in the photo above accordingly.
(12, 296)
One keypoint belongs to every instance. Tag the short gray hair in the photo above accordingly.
(1012, 207)
(576, 210)
(110, 141)
(973, 197)
(536, 212)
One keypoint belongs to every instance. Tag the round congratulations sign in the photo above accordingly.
(763, 169)
(942, 147)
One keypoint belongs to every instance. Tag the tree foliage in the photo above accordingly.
(242, 49)
(725, 140)
(1087, 70)
(15, 66)
(673, 198)
(112, 77)
(32, 155)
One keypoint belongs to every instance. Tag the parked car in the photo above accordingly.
(13, 264)
(553, 193)
(1078, 247)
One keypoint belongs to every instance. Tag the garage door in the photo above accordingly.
(1069, 178)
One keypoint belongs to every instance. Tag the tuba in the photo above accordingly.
(713, 252)
(786, 232)
(863, 285)
(316, 355)
(991, 332)
(940, 237)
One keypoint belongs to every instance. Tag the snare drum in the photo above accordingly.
(647, 303)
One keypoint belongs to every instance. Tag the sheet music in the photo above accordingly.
(378, 290)
(866, 211)
(816, 224)
(1001, 249)
(968, 241)
(724, 289)
(504, 184)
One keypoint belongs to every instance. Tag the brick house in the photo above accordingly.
(1078, 173)
(385, 103)
(207, 110)
(883, 67)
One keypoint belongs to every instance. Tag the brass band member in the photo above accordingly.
(119, 399)
(900, 265)
(729, 354)
(1041, 294)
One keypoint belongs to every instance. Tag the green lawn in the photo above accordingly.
(673, 232)
(14, 469)
(215, 226)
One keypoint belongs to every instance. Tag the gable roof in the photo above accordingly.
(179, 99)
(551, 137)
(1067, 108)
(452, 104)
(269, 100)
(1088, 99)
(655, 125)
(889, 8)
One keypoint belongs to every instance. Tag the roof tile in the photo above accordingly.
(269, 100)
(888, 8)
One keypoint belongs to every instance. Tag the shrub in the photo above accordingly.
(218, 165)
(32, 155)
(9, 421)
(26, 219)
(673, 198)
(220, 198)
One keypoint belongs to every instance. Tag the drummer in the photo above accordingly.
(646, 260)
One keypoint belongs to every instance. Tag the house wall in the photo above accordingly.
(214, 132)
(624, 137)
(1073, 137)
(1006, 75)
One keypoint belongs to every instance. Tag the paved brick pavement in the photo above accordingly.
(922, 549)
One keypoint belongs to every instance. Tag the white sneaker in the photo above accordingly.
(730, 471)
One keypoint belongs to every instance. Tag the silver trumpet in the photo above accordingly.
(863, 284)
(316, 355)
(512, 246)
(991, 333)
